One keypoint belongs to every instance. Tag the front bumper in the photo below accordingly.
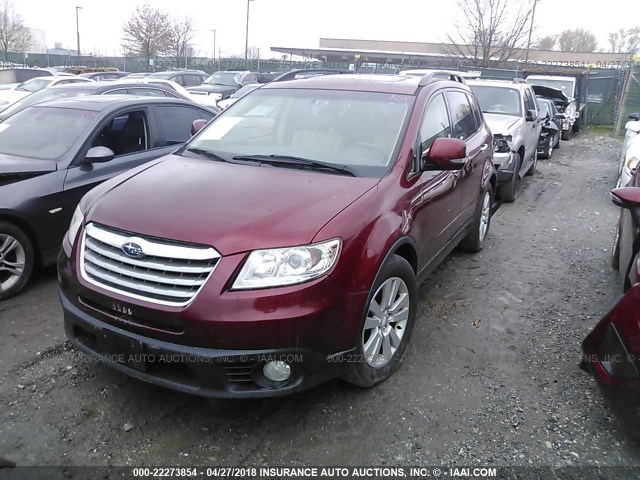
(504, 166)
(200, 371)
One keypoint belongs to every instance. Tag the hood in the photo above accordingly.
(234, 208)
(555, 94)
(213, 88)
(17, 165)
(500, 124)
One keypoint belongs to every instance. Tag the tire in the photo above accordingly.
(615, 250)
(371, 367)
(16, 253)
(558, 140)
(549, 151)
(534, 165)
(475, 240)
(509, 191)
(566, 134)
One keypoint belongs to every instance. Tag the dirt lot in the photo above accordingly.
(491, 376)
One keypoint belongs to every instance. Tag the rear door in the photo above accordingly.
(132, 137)
(532, 128)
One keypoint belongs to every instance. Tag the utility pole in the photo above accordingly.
(533, 14)
(78, 28)
(214, 47)
(246, 41)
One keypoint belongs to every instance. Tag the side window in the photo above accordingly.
(125, 133)
(180, 80)
(529, 102)
(477, 113)
(117, 91)
(147, 92)
(435, 123)
(461, 115)
(191, 80)
(175, 122)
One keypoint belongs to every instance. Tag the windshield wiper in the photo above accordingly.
(298, 162)
(207, 154)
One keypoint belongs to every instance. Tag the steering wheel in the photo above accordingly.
(498, 108)
(371, 148)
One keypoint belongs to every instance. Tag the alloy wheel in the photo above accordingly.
(485, 216)
(12, 261)
(386, 322)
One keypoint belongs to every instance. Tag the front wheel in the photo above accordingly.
(474, 241)
(388, 321)
(16, 260)
(509, 191)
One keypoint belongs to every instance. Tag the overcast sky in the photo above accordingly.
(300, 23)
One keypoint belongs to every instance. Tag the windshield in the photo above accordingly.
(344, 128)
(544, 108)
(43, 133)
(500, 100)
(566, 86)
(244, 91)
(43, 95)
(223, 78)
(35, 85)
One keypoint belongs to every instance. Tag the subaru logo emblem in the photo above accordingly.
(132, 249)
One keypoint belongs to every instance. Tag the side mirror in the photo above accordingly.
(634, 116)
(446, 154)
(198, 125)
(99, 155)
(531, 116)
(626, 197)
(633, 126)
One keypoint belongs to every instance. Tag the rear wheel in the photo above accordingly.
(508, 191)
(388, 321)
(475, 240)
(566, 134)
(558, 140)
(16, 260)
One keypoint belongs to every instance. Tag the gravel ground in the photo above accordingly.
(491, 376)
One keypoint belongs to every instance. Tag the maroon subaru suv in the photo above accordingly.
(283, 245)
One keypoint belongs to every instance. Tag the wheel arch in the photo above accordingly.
(28, 231)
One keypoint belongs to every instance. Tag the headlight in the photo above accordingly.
(287, 266)
(502, 144)
(632, 163)
(76, 222)
(216, 96)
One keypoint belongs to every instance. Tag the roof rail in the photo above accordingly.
(441, 75)
(308, 72)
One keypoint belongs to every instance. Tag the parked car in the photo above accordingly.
(550, 135)
(12, 77)
(261, 284)
(568, 85)
(611, 352)
(8, 97)
(105, 76)
(95, 88)
(247, 89)
(511, 111)
(629, 162)
(221, 85)
(626, 247)
(51, 154)
(137, 75)
(184, 78)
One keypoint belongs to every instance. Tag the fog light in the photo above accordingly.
(277, 371)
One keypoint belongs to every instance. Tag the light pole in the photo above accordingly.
(214, 47)
(246, 40)
(78, 28)
(533, 14)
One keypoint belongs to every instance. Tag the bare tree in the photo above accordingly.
(547, 43)
(14, 36)
(492, 32)
(147, 32)
(578, 40)
(253, 53)
(625, 41)
(182, 33)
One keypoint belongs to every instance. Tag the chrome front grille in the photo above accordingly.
(166, 272)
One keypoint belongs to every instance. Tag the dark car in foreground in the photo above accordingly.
(91, 88)
(53, 153)
(284, 244)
